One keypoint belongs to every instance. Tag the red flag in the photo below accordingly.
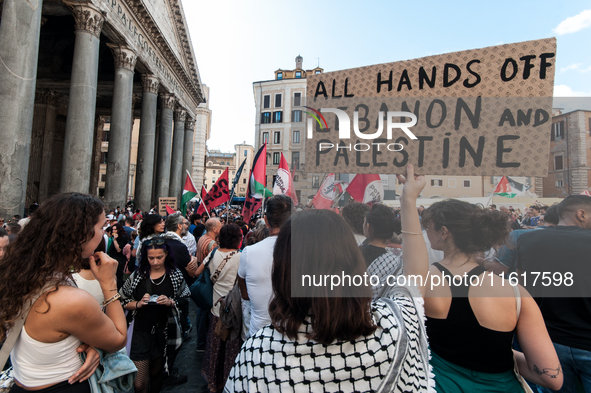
(219, 193)
(283, 181)
(366, 188)
(169, 210)
(251, 205)
(326, 193)
(201, 208)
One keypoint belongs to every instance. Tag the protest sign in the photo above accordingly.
(478, 112)
(162, 202)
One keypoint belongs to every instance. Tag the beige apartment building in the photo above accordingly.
(217, 162)
(569, 166)
(280, 122)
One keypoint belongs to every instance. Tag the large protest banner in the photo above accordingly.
(478, 112)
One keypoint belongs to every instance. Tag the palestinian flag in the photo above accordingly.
(509, 188)
(258, 176)
(189, 192)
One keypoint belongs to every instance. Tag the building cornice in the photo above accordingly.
(191, 78)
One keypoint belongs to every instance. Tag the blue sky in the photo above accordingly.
(237, 43)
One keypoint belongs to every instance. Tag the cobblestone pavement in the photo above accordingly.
(189, 361)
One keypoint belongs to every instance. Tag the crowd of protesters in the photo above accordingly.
(101, 281)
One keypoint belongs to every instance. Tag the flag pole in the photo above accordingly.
(493, 191)
(204, 206)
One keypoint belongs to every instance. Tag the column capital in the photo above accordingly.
(123, 56)
(179, 113)
(189, 124)
(167, 100)
(87, 17)
(47, 97)
(150, 83)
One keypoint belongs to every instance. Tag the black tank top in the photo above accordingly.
(461, 340)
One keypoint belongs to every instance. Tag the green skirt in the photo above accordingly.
(451, 378)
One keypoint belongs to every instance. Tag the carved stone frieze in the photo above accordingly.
(190, 78)
(123, 56)
(150, 83)
(179, 113)
(167, 101)
(87, 17)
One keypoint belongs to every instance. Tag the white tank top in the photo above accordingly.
(36, 364)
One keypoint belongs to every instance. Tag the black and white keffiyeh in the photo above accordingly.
(387, 264)
(173, 334)
(395, 358)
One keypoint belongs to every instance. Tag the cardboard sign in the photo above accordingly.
(162, 202)
(478, 112)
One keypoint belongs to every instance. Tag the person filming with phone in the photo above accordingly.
(152, 292)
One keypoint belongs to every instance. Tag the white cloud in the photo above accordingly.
(588, 69)
(574, 23)
(571, 67)
(565, 91)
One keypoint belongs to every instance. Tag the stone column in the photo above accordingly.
(51, 99)
(146, 143)
(97, 154)
(188, 147)
(19, 47)
(120, 135)
(82, 103)
(176, 168)
(167, 102)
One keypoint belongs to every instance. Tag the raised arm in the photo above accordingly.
(84, 318)
(414, 255)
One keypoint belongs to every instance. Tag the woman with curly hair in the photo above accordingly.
(40, 262)
(471, 323)
(152, 292)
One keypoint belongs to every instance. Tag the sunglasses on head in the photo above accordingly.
(154, 242)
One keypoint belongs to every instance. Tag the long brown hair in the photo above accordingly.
(48, 248)
(322, 242)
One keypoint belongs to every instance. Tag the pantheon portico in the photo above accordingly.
(68, 68)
